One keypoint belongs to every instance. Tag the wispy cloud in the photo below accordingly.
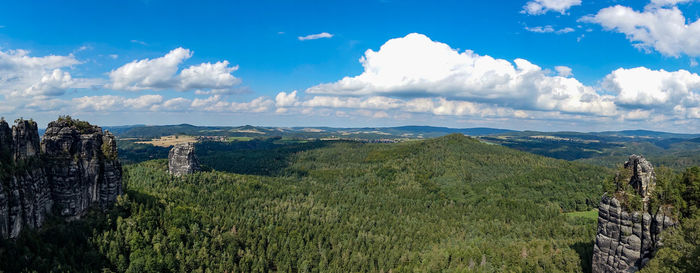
(138, 42)
(315, 36)
(549, 29)
(82, 48)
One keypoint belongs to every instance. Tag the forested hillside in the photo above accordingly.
(450, 203)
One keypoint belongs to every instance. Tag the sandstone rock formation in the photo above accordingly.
(627, 239)
(82, 166)
(25, 195)
(182, 160)
(74, 167)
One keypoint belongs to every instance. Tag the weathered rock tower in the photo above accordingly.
(628, 238)
(182, 160)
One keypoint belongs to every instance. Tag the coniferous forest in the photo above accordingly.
(449, 204)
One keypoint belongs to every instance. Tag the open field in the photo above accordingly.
(239, 139)
(167, 141)
(591, 214)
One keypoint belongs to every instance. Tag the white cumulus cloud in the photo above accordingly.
(162, 73)
(208, 76)
(283, 99)
(417, 66)
(52, 84)
(642, 87)
(145, 74)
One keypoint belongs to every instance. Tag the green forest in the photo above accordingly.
(449, 204)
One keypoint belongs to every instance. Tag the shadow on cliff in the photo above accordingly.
(266, 157)
(61, 246)
(585, 254)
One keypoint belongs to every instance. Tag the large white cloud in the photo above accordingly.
(417, 66)
(414, 74)
(537, 7)
(162, 73)
(661, 26)
(658, 89)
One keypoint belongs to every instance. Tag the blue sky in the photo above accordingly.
(539, 65)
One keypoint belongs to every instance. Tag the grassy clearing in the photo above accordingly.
(591, 214)
(232, 139)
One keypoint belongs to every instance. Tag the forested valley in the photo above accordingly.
(449, 204)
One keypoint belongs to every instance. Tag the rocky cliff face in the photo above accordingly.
(73, 169)
(627, 239)
(25, 137)
(182, 160)
(25, 196)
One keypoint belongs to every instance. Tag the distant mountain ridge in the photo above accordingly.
(648, 133)
(409, 131)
